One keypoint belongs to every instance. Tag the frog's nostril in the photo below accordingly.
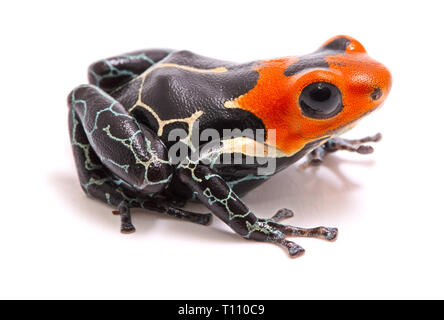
(376, 94)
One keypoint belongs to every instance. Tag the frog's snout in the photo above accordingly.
(368, 81)
(381, 84)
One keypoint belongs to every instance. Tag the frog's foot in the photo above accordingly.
(316, 157)
(282, 214)
(178, 203)
(173, 199)
(199, 218)
(127, 228)
(126, 225)
(272, 231)
(168, 207)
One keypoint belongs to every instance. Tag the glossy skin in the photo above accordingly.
(120, 124)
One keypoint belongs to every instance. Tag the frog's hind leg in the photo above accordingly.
(96, 180)
(114, 155)
(113, 152)
(316, 157)
(163, 206)
(111, 73)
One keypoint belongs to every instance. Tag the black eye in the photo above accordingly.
(320, 100)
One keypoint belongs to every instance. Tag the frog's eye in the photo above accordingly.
(320, 100)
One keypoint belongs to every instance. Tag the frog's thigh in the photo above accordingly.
(111, 73)
(94, 177)
(130, 151)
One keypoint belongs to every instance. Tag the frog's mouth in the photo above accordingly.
(342, 129)
(351, 124)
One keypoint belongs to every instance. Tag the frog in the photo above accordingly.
(140, 110)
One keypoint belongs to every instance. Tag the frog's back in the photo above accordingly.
(185, 89)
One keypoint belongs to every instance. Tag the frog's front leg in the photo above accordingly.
(215, 193)
(316, 157)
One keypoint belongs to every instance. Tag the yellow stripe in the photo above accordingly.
(250, 147)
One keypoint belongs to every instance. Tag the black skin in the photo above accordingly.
(121, 148)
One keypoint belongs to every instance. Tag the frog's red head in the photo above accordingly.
(318, 95)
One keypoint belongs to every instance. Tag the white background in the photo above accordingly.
(57, 243)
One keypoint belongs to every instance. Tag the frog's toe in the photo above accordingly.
(127, 228)
(282, 214)
(205, 219)
(272, 231)
(364, 149)
(330, 234)
(374, 138)
(324, 233)
(294, 250)
(353, 145)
